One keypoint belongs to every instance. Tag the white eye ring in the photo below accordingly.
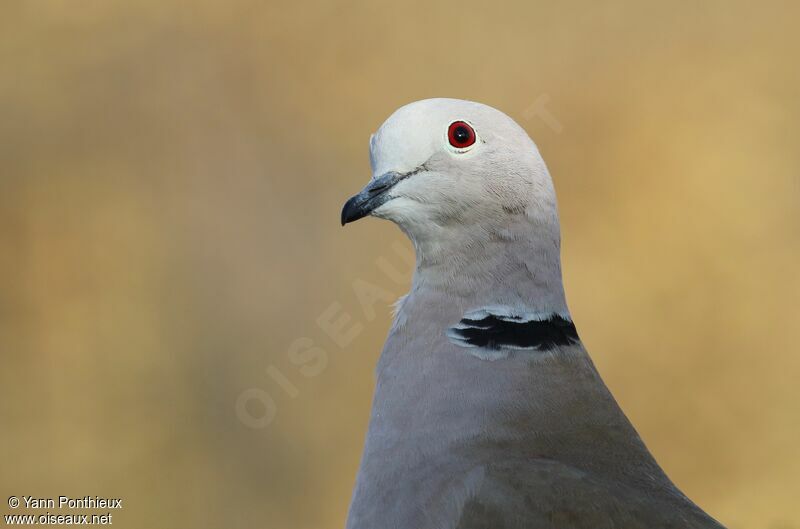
(460, 136)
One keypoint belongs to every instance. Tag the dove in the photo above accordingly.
(488, 411)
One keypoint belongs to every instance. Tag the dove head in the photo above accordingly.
(456, 174)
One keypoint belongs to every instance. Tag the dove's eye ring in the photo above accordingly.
(461, 135)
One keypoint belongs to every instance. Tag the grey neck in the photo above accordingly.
(517, 265)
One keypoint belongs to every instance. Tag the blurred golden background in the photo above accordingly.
(171, 176)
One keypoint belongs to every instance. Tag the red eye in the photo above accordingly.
(460, 134)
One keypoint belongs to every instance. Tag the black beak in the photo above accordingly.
(374, 195)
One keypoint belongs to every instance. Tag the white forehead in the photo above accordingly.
(418, 130)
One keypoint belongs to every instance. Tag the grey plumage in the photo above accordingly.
(490, 437)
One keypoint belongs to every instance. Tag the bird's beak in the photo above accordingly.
(371, 197)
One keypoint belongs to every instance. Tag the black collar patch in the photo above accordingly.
(492, 331)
